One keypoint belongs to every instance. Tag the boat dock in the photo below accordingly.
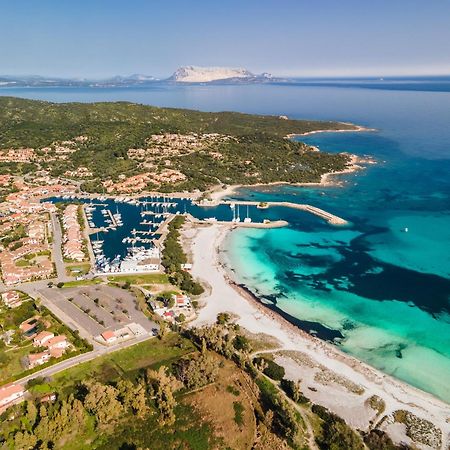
(152, 213)
(332, 219)
(157, 203)
(265, 224)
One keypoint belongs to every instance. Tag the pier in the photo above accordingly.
(265, 224)
(332, 219)
(157, 203)
(152, 213)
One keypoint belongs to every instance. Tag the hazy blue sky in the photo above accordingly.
(96, 38)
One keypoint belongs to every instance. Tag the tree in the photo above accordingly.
(379, 440)
(223, 318)
(31, 413)
(24, 440)
(198, 371)
(4, 358)
(241, 343)
(181, 318)
(67, 420)
(164, 386)
(102, 401)
(133, 396)
(139, 403)
(293, 390)
(270, 368)
(336, 434)
(163, 329)
(60, 285)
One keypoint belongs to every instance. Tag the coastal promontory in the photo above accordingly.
(130, 148)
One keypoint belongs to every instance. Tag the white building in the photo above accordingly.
(41, 338)
(10, 394)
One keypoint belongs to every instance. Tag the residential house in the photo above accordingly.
(11, 299)
(37, 359)
(42, 338)
(181, 300)
(29, 327)
(57, 342)
(11, 393)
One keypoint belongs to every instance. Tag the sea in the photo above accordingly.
(378, 288)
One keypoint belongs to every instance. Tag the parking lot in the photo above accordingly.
(98, 308)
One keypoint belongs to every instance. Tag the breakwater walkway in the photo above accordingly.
(332, 219)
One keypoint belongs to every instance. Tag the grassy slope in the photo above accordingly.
(127, 361)
(201, 422)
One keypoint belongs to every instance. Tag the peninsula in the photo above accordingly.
(125, 148)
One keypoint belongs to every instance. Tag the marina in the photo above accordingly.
(126, 233)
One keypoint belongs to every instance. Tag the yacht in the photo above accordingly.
(247, 218)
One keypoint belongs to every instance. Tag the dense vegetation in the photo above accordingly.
(173, 257)
(258, 152)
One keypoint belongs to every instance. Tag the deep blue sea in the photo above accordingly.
(383, 294)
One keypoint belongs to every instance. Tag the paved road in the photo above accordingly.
(57, 252)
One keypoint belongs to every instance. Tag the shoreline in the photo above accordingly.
(356, 129)
(224, 294)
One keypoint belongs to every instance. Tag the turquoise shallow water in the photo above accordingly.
(379, 293)
(386, 291)
(395, 336)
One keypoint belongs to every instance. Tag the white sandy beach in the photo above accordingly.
(320, 365)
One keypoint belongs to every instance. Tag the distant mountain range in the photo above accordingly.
(39, 81)
(186, 74)
(193, 74)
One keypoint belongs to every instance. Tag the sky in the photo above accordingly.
(102, 38)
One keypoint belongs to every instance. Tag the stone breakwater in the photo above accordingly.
(332, 219)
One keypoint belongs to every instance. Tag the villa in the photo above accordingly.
(181, 300)
(20, 155)
(56, 347)
(36, 359)
(10, 394)
(27, 257)
(29, 327)
(57, 342)
(41, 338)
(11, 299)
